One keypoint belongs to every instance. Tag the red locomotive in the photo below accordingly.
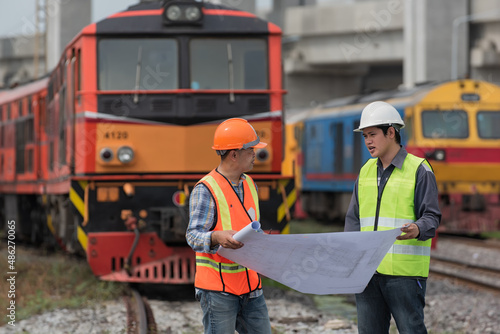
(105, 150)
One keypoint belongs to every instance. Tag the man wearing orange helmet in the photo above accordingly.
(394, 190)
(222, 203)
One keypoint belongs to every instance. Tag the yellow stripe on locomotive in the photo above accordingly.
(168, 148)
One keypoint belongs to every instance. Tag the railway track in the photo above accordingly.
(473, 242)
(468, 271)
(140, 318)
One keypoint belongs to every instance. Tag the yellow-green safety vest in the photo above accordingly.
(395, 208)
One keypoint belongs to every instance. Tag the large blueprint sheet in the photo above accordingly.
(320, 263)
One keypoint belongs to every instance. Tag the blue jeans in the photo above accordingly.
(225, 313)
(403, 297)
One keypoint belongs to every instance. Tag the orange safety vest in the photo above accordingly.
(214, 272)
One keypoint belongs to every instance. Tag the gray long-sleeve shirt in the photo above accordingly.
(426, 198)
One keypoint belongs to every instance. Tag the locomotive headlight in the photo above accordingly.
(193, 13)
(106, 154)
(125, 154)
(439, 155)
(262, 155)
(179, 12)
(173, 13)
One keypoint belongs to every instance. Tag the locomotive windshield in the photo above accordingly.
(228, 63)
(138, 64)
(488, 123)
(153, 63)
(445, 124)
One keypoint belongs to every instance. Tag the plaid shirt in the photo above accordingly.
(202, 215)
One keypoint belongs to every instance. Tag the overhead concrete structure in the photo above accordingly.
(351, 33)
(343, 48)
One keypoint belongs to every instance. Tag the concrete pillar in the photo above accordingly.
(65, 19)
(428, 32)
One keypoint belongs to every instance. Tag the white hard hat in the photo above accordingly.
(380, 113)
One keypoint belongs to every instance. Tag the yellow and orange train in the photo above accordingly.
(454, 125)
(123, 127)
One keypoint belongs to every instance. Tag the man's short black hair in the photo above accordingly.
(385, 128)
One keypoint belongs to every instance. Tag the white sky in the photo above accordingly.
(17, 16)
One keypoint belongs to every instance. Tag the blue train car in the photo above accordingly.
(332, 156)
(333, 153)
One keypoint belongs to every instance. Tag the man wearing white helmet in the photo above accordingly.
(394, 190)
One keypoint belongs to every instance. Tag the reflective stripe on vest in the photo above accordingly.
(405, 257)
(224, 267)
(214, 272)
(255, 196)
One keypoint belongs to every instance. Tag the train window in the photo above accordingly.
(62, 71)
(62, 128)
(43, 116)
(445, 124)
(50, 161)
(20, 108)
(20, 142)
(138, 64)
(29, 128)
(356, 159)
(30, 106)
(56, 80)
(29, 156)
(338, 148)
(50, 90)
(407, 131)
(313, 131)
(223, 63)
(78, 60)
(488, 123)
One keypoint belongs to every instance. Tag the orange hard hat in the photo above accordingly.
(235, 134)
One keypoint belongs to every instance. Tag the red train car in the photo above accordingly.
(123, 128)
